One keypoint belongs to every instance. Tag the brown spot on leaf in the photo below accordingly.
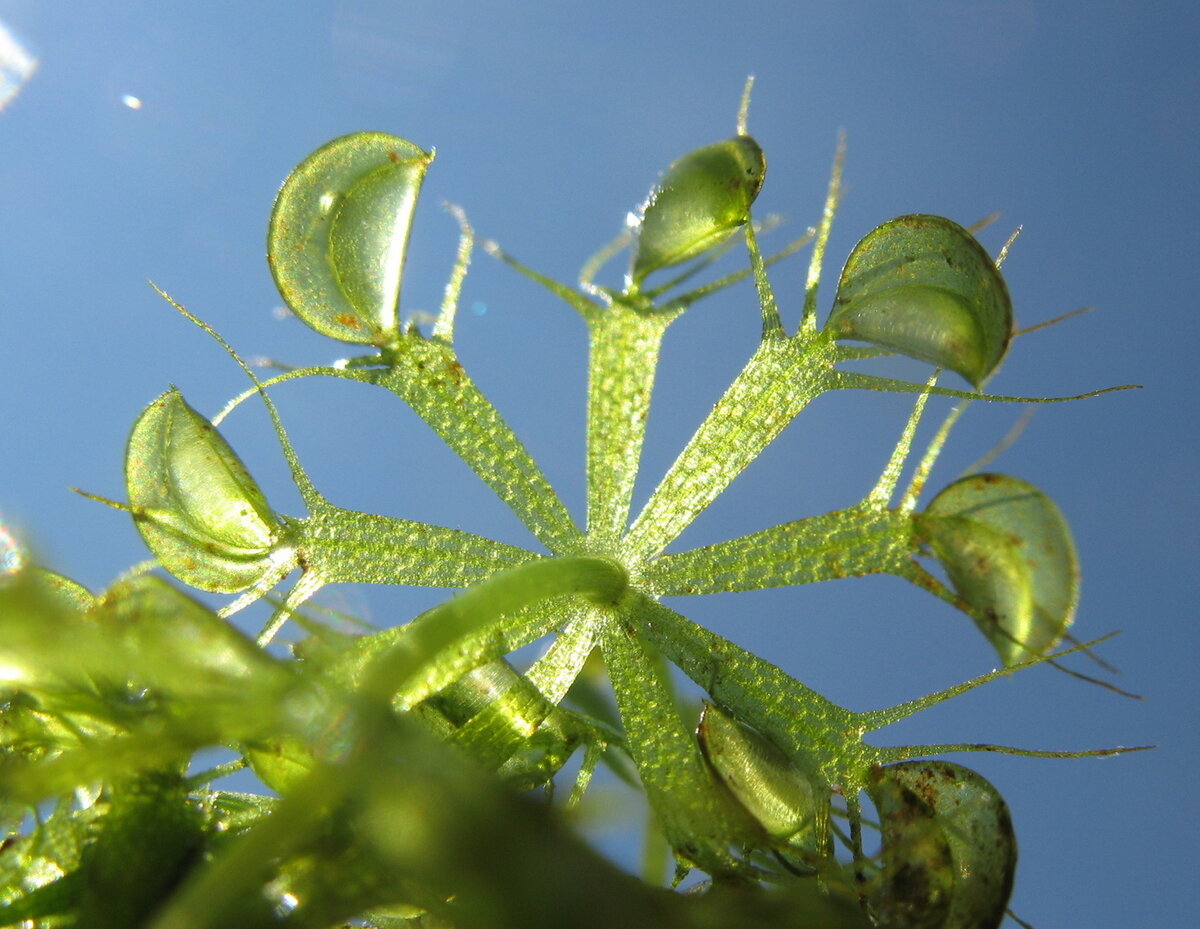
(456, 371)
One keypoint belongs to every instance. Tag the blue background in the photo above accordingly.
(1077, 120)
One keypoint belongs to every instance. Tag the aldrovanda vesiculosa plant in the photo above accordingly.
(395, 757)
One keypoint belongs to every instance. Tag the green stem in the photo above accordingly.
(832, 198)
(432, 638)
(908, 752)
(877, 719)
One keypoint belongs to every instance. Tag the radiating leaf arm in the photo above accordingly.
(814, 732)
(845, 543)
(624, 357)
(555, 672)
(345, 546)
(782, 377)
(429, 378)
(698, 818)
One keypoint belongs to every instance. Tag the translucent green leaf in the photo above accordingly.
(339, 235)
(174, 644)
(143, 632)
(342, 546)
(194, 503)
(1010, 556)
(281, 762)
(703, 197)
(72, 594)
(922, 286)
(38, 869)
(623, 358)
(790, 804)
(148, 840)
(15, 562)
(949, 853)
